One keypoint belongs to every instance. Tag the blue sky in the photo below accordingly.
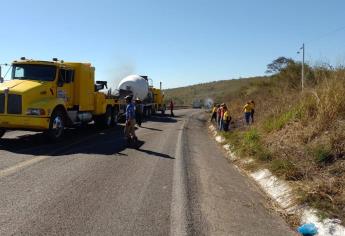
(176, 42)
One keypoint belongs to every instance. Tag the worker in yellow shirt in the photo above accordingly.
(226, 119)
(214, 112)
(247, 109)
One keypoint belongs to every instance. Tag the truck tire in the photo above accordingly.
(106, 120)
(149, 110)
(2, 132)
(115, 116)
(56, 125)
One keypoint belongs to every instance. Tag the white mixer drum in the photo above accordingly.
(136, 84)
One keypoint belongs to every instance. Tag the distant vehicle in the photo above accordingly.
(197, 104)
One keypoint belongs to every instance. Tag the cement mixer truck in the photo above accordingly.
(139, 87)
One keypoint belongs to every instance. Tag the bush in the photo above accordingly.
(323, 155)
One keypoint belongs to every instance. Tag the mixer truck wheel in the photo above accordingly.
(2, 132)
(56, 125)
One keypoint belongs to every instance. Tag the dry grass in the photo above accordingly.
(304, 134)
(299, 136)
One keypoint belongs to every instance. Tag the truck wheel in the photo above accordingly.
(106, 120)
(115, 116)
(56, 125)
(2, 132)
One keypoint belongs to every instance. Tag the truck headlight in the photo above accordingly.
(35, 112)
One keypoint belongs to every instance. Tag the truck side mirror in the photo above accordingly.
(1, 79)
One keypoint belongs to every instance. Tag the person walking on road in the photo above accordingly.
(171, 108)
(138, 111)
(214, 113)
(247, 109)
(226, 119)
(252, 112)
(130, 121)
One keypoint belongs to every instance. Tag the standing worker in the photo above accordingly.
(252, 113)
(218, 116)
(214, 113)
(226, 119)
(171, 108)
(247, 109)
(221, 116)
(138, 111)
(130, 121)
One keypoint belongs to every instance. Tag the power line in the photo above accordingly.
(326, 34)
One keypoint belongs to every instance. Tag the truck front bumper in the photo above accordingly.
(24, 122)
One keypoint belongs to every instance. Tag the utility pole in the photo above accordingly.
(303, 48)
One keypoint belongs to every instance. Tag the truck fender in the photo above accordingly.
(48, 104)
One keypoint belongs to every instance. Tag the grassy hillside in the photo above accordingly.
(299, 136)
(217, 91)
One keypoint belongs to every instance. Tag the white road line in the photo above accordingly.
(21, 165)
(178, 222)
(27, 163)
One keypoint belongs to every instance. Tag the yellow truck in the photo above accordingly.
(51, 95)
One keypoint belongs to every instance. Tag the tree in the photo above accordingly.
(278, 65)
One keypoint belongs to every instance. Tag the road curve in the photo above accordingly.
(176, 182)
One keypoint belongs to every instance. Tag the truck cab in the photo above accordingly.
(51, 95)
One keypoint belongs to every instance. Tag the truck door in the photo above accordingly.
(65, 86)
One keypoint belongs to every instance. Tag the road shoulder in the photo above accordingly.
(224, 202)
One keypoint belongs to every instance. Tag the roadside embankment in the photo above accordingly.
(280, 191)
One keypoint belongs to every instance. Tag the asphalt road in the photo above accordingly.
(177, 182)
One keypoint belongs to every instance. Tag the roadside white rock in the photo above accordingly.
(220, 139)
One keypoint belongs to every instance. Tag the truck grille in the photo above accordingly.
(2, 103)
(14, 104)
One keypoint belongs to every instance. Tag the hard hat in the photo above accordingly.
(129, 97)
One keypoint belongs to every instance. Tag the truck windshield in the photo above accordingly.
(33, 72)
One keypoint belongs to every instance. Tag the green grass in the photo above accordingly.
(323, 155)
(277, 122)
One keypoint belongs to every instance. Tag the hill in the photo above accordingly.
(218, 91)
